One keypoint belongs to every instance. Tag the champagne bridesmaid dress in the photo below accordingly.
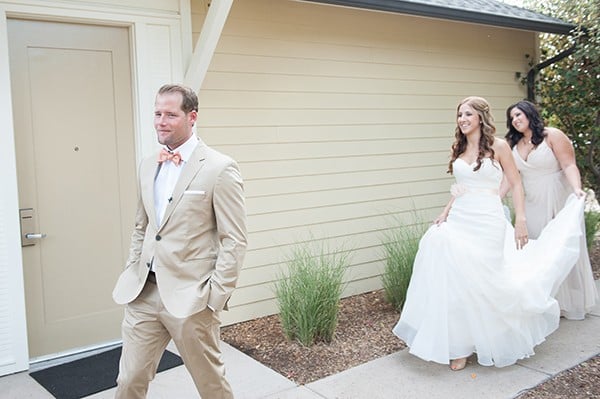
(546, 191)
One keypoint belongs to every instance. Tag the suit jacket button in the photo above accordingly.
(158, 237)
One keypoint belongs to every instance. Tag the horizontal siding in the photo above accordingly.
(304, 150)
(246, 135)
(354, 51)
(291, 66)
(341, 121)
(338, 221)
(308, 192)
(261, 83)
(311, 117)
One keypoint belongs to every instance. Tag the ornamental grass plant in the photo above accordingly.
(309, 293)
(400, 245)
(592, 224)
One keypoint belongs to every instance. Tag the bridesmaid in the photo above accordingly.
(546, 160)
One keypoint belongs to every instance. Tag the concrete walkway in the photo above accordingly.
(399, 375)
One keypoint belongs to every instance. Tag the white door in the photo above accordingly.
(74, 137)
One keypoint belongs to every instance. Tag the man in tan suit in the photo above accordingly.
(186, 252)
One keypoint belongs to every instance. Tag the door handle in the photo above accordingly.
(32, 236)
(27, 216)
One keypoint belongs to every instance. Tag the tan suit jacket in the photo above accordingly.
(198, 249)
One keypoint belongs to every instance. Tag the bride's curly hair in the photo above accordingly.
(488, 129)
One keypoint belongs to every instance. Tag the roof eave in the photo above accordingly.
(426, 10)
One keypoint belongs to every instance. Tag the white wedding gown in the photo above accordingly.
(471, 291)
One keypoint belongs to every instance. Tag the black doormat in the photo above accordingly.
(90, 375)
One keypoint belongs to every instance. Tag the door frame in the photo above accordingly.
(144, 27)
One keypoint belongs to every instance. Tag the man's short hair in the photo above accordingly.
(189, 98)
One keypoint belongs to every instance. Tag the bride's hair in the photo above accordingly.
(488, 129)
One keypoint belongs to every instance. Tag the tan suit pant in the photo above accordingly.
(147, 329)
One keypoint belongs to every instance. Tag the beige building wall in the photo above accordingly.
(339, 118)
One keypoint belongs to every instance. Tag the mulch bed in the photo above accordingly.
(364, 334)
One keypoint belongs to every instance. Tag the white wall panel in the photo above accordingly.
(13, 334)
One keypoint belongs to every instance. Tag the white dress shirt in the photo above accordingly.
(168, 175)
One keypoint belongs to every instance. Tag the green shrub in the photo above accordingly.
(592, 224)
(309, 293)
(400, 246)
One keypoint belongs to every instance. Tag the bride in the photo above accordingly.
(478, 285)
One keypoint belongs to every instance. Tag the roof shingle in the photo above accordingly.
(487, 12)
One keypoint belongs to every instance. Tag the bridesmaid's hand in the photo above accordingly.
(579, 193)
(521, 237)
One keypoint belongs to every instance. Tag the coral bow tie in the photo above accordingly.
(165, 155)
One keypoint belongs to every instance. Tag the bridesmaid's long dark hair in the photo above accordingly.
(536, 124)
(488, 129)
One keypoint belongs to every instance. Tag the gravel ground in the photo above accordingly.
(363, 334)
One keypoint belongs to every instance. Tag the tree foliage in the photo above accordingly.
(569, 91)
